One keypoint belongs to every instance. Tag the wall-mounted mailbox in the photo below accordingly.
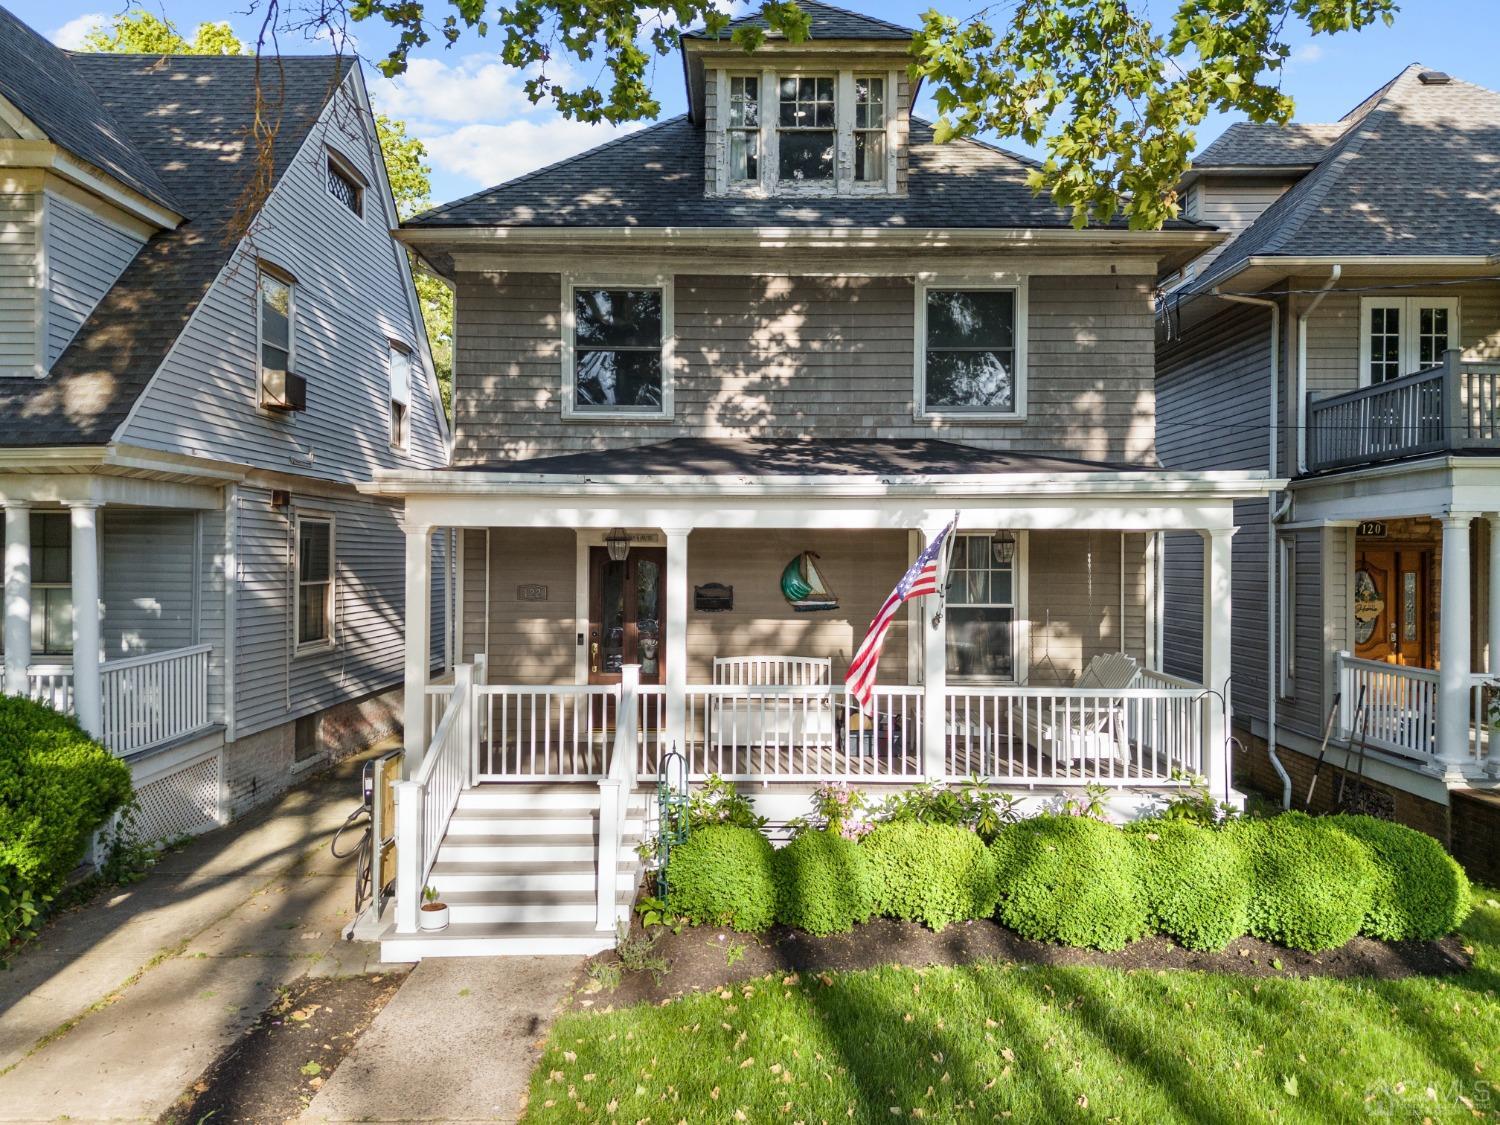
(713, 597)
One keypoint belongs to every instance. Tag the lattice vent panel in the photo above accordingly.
(180, 803)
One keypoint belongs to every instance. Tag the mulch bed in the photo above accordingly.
(280, 1063)
(705, 957)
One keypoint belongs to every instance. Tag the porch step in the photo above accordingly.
(534, 797)
(518, 848)
(547, 822)
(524, 906)
(568, 875)
(498, 939)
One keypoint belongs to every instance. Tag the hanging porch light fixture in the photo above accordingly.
(617, 543)
(1003, 545)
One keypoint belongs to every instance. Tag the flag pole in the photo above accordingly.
(942, 580)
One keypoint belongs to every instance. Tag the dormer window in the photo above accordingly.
(869, 129)
(805, 128)
(744, 129)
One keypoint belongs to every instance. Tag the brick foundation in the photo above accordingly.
(260, 766)
(1476, 833)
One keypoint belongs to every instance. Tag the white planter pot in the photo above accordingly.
(433, 916)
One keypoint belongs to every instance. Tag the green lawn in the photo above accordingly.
(1041, 1044)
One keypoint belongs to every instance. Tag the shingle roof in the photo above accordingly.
(189, 118)
(828, 22)
(654, 178)
(1250, 145)
(41, 81)
(797, 457)
(1415, 173)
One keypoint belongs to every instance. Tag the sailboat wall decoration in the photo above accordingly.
(804, 588)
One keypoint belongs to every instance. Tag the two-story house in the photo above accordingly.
(1347, 337)
(716, 384)
(207, 337)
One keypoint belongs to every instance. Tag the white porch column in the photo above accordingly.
(1492, 637)
(934, 680)
(676, 629)
(17, 631)
(87, 704)
(418, 642)
(1217, 548)
(1453, 647)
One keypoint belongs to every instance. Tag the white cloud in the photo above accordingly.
(488, 154)
(70, 35)
(473, 89)
(1305, 54)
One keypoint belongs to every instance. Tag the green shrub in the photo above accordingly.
(1070, 879)
(931, 873)
(723, 876)
(1311, 885)
(824, 883)
(1195, 879)
(1420, 890)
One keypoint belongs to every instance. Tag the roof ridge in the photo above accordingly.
(432, 212)
(191, 58)
(696, 33)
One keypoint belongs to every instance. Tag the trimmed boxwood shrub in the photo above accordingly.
(1311, 885)
(723, 876)
(1070, 879)
(1196, 881)
(824, 884)
(930, 873)
(1420, 890)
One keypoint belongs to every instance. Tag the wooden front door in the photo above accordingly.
(627, 612)
(1392, 622)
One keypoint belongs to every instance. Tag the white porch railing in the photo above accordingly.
(425, 802)
(1484, 709)
(1070, 736)
(145, 701)
(150, 700)
(545, 733)
(785, 733)
(1401, 707)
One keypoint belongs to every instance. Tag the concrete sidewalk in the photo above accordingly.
(122, 1003)
(457, 1043)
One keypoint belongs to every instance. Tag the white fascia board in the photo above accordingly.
(1432, 486)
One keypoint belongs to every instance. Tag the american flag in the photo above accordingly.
(924, 577)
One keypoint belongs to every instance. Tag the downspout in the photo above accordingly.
(1333, 276)
(1272, 514)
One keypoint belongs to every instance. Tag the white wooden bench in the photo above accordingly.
(774, 719)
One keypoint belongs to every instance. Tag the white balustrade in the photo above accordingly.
(1400, 706)
(51, 684)
(150, 700)
(545, 733)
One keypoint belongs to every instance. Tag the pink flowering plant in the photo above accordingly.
(836, 805)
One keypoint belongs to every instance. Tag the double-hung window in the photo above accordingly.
(869, 129)
(805, 128)
(276, 326)
(744, 129)
(51, 584)
(400, 379)
(1404, 335)
(314, 581)
(971, 351)
(617, 357)
(980, 613)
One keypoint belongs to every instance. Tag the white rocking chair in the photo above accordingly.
(1094, 730)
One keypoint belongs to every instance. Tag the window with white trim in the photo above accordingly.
(806, 125)
(744, 129)
(275, 309)
(616, 359)
(1287, 610)
(1405, 335)
(51, 584)
(314, 580)
(869, 128)
(971, 351)
(400, 398)
(979, 614)
(345, 185)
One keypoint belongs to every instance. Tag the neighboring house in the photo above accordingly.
(205, 343)
(1353, 326)
(756, 355)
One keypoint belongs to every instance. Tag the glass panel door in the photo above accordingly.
(626, 614)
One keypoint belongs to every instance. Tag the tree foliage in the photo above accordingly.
(137, 31)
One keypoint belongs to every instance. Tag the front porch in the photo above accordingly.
(1039, 672)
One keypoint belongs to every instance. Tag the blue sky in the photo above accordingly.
(479, 128)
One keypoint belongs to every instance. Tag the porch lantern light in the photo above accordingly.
(617, 543)
(1003, 544)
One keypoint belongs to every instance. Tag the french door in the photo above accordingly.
(1404, 335)
(1392, 620)
(627, 613)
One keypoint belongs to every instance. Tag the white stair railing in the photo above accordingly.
(425, 802)
(614, 790)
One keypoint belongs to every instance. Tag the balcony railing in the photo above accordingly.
(1451, 408)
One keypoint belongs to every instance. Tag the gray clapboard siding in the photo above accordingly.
(1182, 608)
(147, 581)
(775, 356)
(350, 302)
(20, 249)
(1230, 205)
(273, 684)
(1075, 601)
(212, 583)
(85, 256)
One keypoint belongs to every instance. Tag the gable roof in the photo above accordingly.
(1247, 144)
(189, 119)
(1413, 173)
(40, 80)
(655, 178)
(828, 22)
